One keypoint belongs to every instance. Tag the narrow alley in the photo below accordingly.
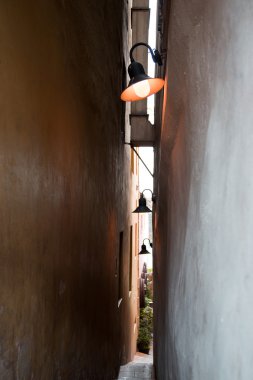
(97, 265)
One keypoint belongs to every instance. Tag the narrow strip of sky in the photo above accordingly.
(152, 43)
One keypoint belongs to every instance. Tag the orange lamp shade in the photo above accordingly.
(141, 85)
(142, 89)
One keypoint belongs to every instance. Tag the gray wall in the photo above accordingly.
(64, 180)
(204, 216)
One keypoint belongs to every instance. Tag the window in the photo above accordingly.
(130, 258)
(132, 161)
(120, 269)
(136, 239)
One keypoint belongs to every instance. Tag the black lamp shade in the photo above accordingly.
(144, 250)
(137, 73)
(142, 206)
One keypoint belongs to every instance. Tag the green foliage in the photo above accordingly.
(148, 293)
(146, 317)
(149, 288)
(144, 339)
(147, 301)
(145, 329)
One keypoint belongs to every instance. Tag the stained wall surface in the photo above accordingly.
(204, 213)
(64, 180)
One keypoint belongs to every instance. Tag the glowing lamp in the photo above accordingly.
(141, 85)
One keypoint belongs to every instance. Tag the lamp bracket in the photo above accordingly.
(153, 195)
(156, 56)
(137, 154)
(150, 243)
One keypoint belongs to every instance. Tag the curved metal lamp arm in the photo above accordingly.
(150, 243)
(156, 56)
(153, 196)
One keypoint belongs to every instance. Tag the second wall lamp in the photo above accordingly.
(142, 207)
(141, 85)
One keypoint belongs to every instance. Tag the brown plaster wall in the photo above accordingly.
(64, 179)
(203, 220)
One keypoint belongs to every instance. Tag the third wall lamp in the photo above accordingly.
(144, 250)
(141, 85)
(142, 207)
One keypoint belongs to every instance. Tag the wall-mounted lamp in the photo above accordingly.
(144, 250)
(143, 203)
(141, 85)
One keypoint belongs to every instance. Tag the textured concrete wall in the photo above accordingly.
(64, 178)
(204, 217)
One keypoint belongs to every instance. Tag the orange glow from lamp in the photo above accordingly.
(141, 85)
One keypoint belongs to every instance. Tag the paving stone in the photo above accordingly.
(139, 369)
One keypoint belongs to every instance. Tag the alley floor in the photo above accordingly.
(141, 368)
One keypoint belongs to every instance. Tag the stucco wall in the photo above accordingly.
(204, 217)
(64, 180)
